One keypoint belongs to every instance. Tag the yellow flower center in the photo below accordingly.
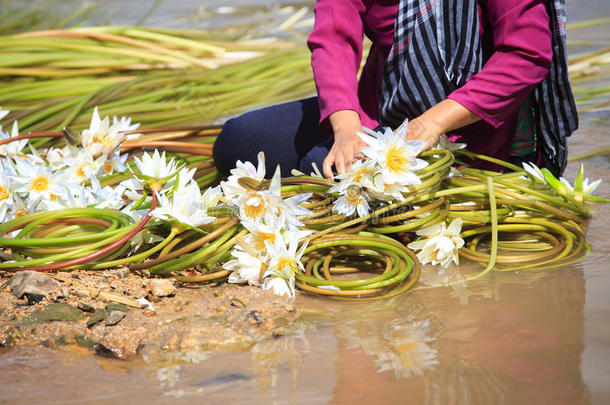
(396, 159)
(353, 198)
(104, 139)
(108, 168)
(359, 174)
(3, 193)
(40, 183)
(21, 212)
(254, 206)
(406, 347)
(286, 263)
(80, 172)
(261, 237)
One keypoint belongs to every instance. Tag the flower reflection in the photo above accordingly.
(451, 276)
(169, 376)
(270, 357)
(402, 346)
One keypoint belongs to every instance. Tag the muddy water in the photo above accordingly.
(527, 337)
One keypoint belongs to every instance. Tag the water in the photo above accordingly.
(528, 337)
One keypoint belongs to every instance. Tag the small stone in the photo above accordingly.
(117, 307)
(85, 341)
(54, 312)
(33, 298)
(162, 287)
(281, 331)
(32, 282)
(82, 293)
(146, 304)
(85, 307)
(254, 317)
(122, 343)
(98, 316)
(114, 317)
(64, 292)
(236, 302)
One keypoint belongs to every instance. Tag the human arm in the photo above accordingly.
(520, 60)
(336, 54)
(346, 147)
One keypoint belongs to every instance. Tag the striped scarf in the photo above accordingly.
(437, 48)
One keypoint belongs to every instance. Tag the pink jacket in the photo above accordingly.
(516, 42)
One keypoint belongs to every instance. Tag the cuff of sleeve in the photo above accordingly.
(475, 109)
(327, 110)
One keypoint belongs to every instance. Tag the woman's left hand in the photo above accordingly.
(420, 129)
(443, 117)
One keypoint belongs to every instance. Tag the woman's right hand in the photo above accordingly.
(346, 148)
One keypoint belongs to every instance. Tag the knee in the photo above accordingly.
(225, 150)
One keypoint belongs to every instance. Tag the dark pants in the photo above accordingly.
(287, 133)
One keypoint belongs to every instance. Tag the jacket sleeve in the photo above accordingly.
(521, 58)
(336, 53)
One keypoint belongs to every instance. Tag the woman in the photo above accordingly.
(490, 73)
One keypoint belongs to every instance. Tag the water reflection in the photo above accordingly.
(519, 341)
(401, 346)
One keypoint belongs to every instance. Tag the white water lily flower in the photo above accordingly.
(396, 156)
(115, 163)
(74, 197)
(280, 286)
(20, 207)
(582, 190)
(259, 205)
(155, 167)
(36, 181)
(259, 233)
(289, 211)
(534, 170)
(57, 157)
(103, 138)
(211, 196)
(386, 191)
(362, 174)
(107, 197)
(231, 187)
(354, 200)
(3, 113)
(440, 243)
(185, 207)
(124, 124)
(248, 265)
(82, 166)
(6, 195)
(284, 263)
(15, 147)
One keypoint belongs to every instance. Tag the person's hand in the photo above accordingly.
(346, 148)
(443, 117)
(420, 129)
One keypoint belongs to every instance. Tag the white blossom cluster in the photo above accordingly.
(55, 178)
(389, 168)
(269, 255)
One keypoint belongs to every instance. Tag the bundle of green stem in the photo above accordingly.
(512, 221)
(158, 76)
